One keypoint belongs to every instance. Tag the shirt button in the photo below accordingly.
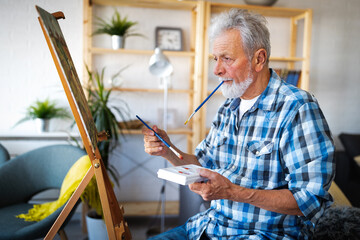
(233, 167)
(257, 153)
(218, 207)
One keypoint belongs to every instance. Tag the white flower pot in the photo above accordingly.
(96, 228)
(117, 41)
(42, 125)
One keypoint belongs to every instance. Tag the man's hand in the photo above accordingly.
(217, 186)
(152, 144)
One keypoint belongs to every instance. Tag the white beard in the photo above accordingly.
(235, 90)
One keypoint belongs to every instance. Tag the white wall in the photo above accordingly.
(27, 71)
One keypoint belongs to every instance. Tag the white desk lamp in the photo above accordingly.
(160, 66)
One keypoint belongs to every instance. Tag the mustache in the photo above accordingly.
(225, 79)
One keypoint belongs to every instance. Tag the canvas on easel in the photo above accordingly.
(116, 226)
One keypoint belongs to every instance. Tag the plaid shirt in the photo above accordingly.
(282, 142)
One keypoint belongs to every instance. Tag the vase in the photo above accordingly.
(117, 41)
(96, 227)
(42, 125)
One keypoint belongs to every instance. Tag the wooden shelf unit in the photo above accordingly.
(199, 48)
(295, 15)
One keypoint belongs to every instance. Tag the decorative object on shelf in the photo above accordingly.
(131, 124)
(42, 112)
(261, 2)
(289, 76)
(160, 66)
(168, 38)
(118, 28)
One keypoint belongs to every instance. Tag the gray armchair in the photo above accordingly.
(26, 175)
(4, 155)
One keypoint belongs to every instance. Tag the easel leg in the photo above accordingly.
(62, 234)
(70, 204)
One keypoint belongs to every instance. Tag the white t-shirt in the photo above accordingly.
(246, 105)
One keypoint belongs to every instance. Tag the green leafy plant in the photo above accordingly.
(104, 114)
(44, 110)
(116, 26)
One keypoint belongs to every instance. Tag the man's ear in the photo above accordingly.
(260, 59)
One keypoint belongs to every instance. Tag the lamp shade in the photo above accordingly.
(159, 64)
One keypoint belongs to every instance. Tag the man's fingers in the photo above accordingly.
(154, 150)
(147, 132)
(207, 173)
(153, 144)
(148, 138)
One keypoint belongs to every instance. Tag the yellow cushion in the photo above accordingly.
(69, 185)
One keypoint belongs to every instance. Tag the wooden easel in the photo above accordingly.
(116, 226)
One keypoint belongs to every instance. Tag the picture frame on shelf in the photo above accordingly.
(169, 38)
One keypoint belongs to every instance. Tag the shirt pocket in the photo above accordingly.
(259, 148)
(258, 165)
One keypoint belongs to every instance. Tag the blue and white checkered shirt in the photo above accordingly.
(282, 142)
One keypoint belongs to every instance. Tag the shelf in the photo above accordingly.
(287, 59)
(263, 10)
(160, 4)
(148, 90)
(96, 50)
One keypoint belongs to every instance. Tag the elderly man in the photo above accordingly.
(269, 147)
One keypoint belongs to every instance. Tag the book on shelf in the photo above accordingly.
(184, 174)
(289, 76)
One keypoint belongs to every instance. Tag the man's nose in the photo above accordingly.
(218, 69)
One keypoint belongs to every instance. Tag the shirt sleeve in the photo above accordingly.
(308, 155)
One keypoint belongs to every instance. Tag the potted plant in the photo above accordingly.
(42, 112)
(118, 28)
(104, 114)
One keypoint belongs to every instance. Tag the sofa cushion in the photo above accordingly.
(351, 143)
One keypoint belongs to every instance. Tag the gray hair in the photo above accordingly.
(252, 28)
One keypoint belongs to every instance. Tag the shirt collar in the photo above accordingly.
(266, 100)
